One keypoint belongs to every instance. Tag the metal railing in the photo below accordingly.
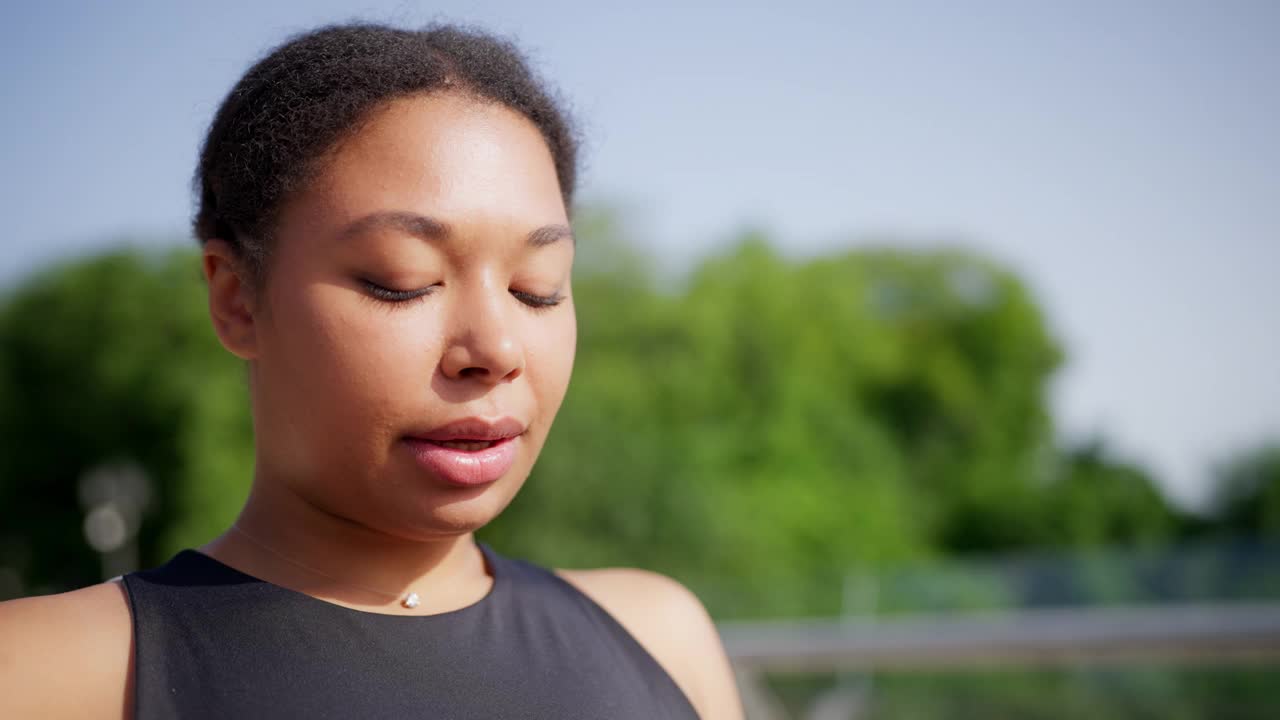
(1212, 605)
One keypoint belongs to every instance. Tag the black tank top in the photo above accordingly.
(213, 642)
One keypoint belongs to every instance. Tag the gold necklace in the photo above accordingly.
(409, 600)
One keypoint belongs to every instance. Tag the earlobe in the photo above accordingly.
(230, 299)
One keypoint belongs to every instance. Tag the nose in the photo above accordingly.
(483, 343)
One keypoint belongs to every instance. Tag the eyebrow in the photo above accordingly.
(431, 229)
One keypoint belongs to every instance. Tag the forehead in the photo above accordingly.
(444, 155)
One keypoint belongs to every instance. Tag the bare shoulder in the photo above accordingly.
(67, 655)
(670, 622)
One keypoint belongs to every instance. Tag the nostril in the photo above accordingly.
(469, 360)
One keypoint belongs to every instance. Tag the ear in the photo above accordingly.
(231, 305)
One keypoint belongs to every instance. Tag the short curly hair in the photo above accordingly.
(272, 131)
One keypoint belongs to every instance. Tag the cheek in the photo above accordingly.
(383, 356)
(550, 355)
(351, 362)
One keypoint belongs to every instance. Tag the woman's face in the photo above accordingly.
(418, 330)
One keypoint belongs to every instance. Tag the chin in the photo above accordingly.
(454, 512)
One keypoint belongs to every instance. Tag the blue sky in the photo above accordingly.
(1123, 157)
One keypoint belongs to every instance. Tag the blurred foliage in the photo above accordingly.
(1248, 492)
(775, 419)
(762, 423)
(1100, 499)
(108, 359)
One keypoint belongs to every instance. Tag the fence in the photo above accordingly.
(1186, 631)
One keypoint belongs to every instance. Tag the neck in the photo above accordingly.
(288, 541)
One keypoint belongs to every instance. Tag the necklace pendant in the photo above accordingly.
(410, 601)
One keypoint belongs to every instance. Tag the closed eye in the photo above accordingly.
(538, 302)
(386, 294)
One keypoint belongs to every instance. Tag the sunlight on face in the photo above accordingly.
(421, 280)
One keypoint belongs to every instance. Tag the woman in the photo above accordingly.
(384, 217)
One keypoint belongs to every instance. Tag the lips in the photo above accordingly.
(474, 429)
(468, 452)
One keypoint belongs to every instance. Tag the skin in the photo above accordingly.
(339, 376)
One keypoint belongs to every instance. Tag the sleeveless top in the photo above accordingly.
(213, 642)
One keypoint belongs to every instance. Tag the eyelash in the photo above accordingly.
(396, 296)
(537, 303)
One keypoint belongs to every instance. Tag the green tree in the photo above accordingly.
(1247, 493)
(1097, 499)
(106, 360)
(781, 421)
(964, 394)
